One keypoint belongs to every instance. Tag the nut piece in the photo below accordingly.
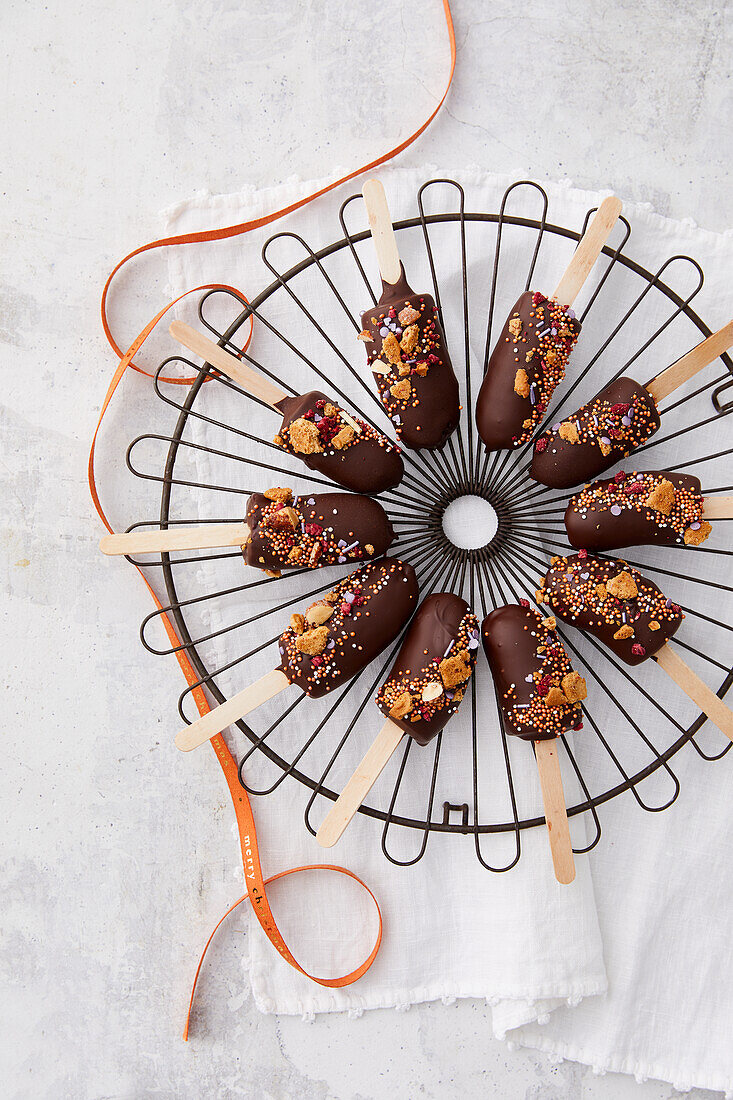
(391, 348)
(550, 623)
(369, 548)
(605, 448)
(407, 315)
(431, 691)
(297, 623)
(304, 437)
(313, 641)
(422, 368)
(540, 595)
(284, 496)
(574, 686)
(366, 336)
(661, 499)
(332, 597)
(284, 519)
(315, 554)
(401, 390)
(350, 421)
(402, 705)
(555, 698)
(330, 409)
(342, 438)
(521, 383)
(295, 554)
(694, 538)
(378, 367)
(455, 669)
(409, 338)
(569, 432)
(654, 625)
(601, 592)
(515, 327)
(318, 613)
(623, 586)
(624, 632)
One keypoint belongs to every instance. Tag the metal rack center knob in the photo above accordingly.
(470, 522)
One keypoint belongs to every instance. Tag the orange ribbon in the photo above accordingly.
(256, 884)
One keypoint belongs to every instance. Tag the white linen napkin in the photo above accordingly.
(452, 928)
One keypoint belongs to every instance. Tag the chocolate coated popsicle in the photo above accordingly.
(529, 360)
(620, 418)
(343, 447)
(641, 508)
(339, 635)
(314, 428)
(292, 532)
(433, 667)
(613, 602)
(539, 691)
(526, 365)
(406, 353)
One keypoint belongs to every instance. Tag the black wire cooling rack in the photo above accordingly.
(218, 426)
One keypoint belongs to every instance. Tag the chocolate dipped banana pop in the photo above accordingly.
(529, 360)
(314, 428)
(619, 419)
(329, 642)
(405, 346)
(630, 615)
(422, 692)
(290, 532)
(281, 531)
(540, 694)
(641, 508)
(539, 691)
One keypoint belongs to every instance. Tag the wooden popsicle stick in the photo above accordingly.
(687, 367)
(217, 719)
(234, 368)
(556, 814)
(717, 508)
(360, 784)
(380, 223)
(588, 250)
(709, 703)
(176, 538)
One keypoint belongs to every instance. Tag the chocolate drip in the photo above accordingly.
(621, 417)
(614, 603)
(370, 464)
(430, 414)
(368, 610)
(524, 370)
(324, 529)
(538, 690)
(644, 508)
(436, 659)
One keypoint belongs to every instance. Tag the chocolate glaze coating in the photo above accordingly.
(612, 513)
(435, 417)
(500, 411)
(572, 592)
(511, 636)
(330, 517)
(559, 463)
(443, 627)
(370, 465)
(389, 590)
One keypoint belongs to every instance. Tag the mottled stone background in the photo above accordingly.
(112, 111)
